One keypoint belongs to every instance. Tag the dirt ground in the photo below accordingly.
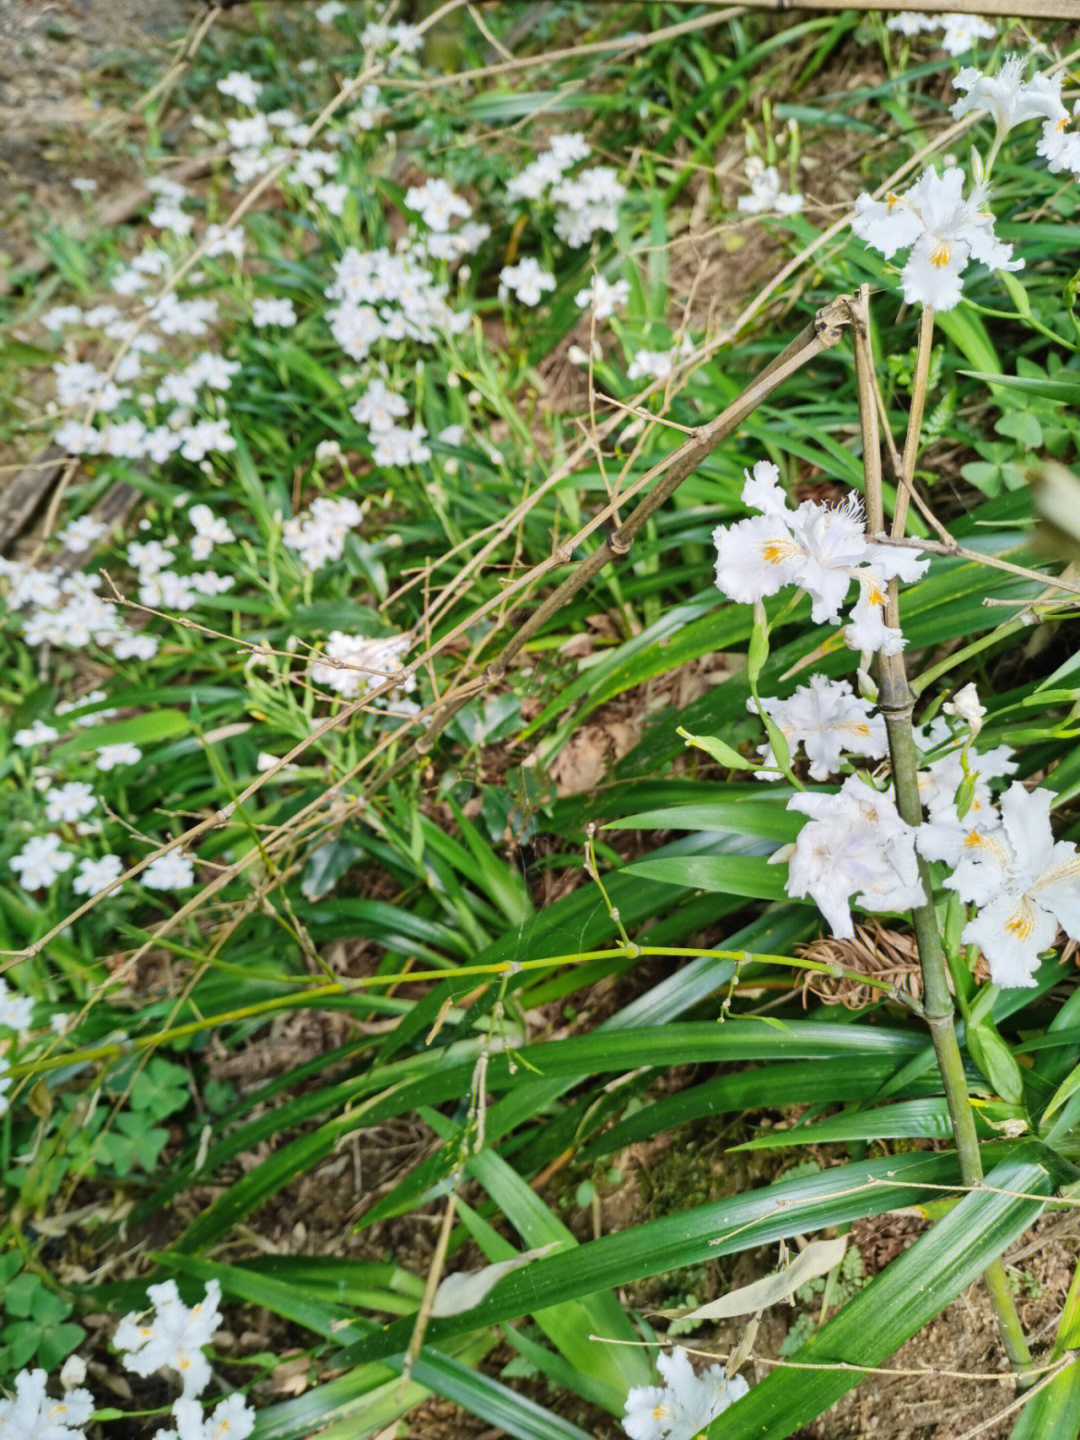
(60, 62)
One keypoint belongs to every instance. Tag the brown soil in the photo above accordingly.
(59, 61)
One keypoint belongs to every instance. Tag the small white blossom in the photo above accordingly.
(82, 533)
(16, 1010)
(210, 530)
(944, 231)
(171, 871)
(829, 720)
(941, 779)
(910, 22)
(965, 706)
(333, 195)
(318, 535)
(603, 297)
(66, 803)
(272, 312)
(527, 279)
(72, 1372)
(33, 1415)
(765, 193)
(1060, 143)
(37, 734)
(379, 407)
(685, 1405)
(40, 861)
(96, 875)
(173, 1336)
(240, 86)
(233, 1419)
(437, 204)
(122, 753)
(855, 847)
(962, 31)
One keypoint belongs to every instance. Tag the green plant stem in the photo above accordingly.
(896, 703)
(1023, 621)
(304, 998)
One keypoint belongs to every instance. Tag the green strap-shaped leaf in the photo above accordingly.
(723, 1227)
(896, 1304)
(1054, 1413)
(747, 875)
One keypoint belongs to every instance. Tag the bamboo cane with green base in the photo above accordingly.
(896, 703)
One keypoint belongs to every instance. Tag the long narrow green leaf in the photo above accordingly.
(727, 874)
(896, 1304)
(1054, 1413)
(766, 818)
(800, 1083)
(441, 1079)
(926, 1118)
(572, 1321)
(723, 1227)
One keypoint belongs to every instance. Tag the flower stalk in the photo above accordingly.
(896, 702)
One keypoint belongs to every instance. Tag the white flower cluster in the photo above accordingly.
(960, 31)
(1006, 863)
(163, 588)
(210, 530)
(66, 611)
(364, 664)
(172, 1337)
(765, 192)
(42, 861)
(1011, 100)
(685, 1405)
(404, 38)
(176, 432)
(946, 230)
(586, 204)
(382, 296)
(438, 207)
(1003, 857)
(318, 534)
(380, 408)
(33, 1415)
(818, 548)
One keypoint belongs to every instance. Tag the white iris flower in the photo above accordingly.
(684, 1405)
(818, 548)
(172, 1337)
(944, 231)
(1025, 884)
(829, 720)
(856, 845)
